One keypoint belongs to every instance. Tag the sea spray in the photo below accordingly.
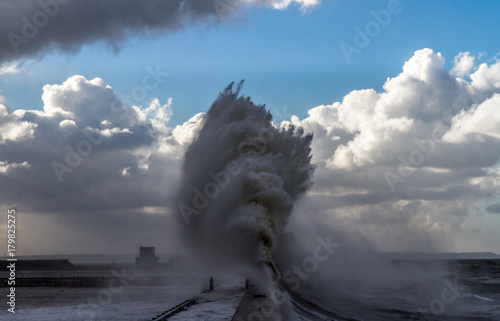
(241, 177)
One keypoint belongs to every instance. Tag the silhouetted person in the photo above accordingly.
(211, 287)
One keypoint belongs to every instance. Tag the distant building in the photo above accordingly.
(147, 257)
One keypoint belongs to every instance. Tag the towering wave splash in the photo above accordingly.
(241, 177)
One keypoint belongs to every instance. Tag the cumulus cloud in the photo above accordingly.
(185, 133)
(397, 169)
(463, 64)
(476, 123)
(29, 28)
(407, 163)
(68, 160)
(12, 128)
(5, 167)
(158, 114)
(486, 78)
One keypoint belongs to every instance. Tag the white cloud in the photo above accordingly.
(158, 114)
(9, 68)
(463, 63)
(423, 66)
(5, 166)
(108, 132)
(435, 181)
(12, 128)
(86, 131)
(67, 123)
(483, 119)
(304, 4)
(357, 141)
(486, 77)
(109, 160)
(185, 133)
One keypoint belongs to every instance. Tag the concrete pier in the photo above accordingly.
(255, 305)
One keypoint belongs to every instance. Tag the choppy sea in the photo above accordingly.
(471, 292)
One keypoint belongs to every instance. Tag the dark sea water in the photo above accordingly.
(464, 290)
(134, 303)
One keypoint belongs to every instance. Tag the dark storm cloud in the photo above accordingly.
(493, 208)
(29, 27)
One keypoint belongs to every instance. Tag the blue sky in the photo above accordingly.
(290, 60)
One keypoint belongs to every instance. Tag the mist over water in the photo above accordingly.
(241, 177)
(238, 214)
